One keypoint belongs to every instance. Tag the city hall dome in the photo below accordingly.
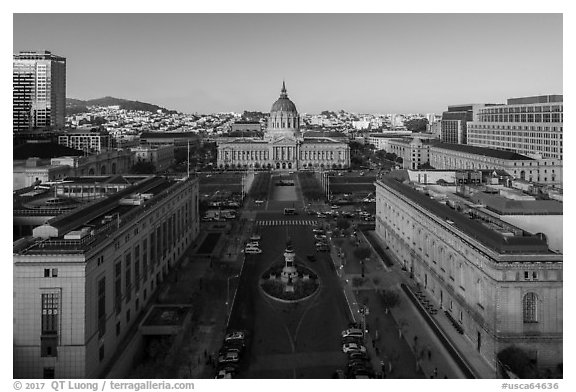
(284, 119)
(283, 104)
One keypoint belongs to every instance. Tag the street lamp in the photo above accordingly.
(228, 288)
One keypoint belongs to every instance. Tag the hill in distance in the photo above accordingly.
(75, 106)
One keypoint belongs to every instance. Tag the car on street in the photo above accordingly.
(258, 202)
(318, 231)
(253, 251)
(348, 347)
(230, 356)
(253, 244)
(255, 237)
(223, 374)
(357, 362)
(320, 215)
(322, 248)
(235, 343)
(356, 332)
(224, 350)
(352, 339)
(235, 335)
(320, 237)
(357, 355)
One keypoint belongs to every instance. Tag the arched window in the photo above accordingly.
(529, 308)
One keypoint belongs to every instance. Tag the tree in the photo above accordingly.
(143, 168)
(389, 298)
(518, 361)
(362, 253)
(342, 224)
(416, 125)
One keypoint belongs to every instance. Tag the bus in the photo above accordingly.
(289, 211)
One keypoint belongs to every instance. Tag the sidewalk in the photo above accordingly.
(429, 353)
(440, 363)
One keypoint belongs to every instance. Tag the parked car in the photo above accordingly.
(320, 237)
(322, 248)
(253, 244)
(317, 230)
(235, 335)
(321, 215)
(352, 339)
(253, 251)
(348, 347)
(230, 356)
(223, 374)
(356, 332)
(357, 355)
(255, 237)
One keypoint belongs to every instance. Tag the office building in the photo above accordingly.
(89, 141)
(453, 126)
(83, 279)
(530, 125)
(39, 91)
(465, 157)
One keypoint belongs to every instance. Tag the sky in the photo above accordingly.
(366, 63)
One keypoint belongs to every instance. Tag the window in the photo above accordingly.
(118, 287)
(49, 338)
(101, 307)
(128, 276)
(46, 272)
(48, 373)
(529, 308)
(54, 272)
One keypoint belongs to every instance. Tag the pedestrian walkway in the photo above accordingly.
(435, 358)
(287, 223)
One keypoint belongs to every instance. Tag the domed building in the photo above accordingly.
(284, 119)
(282, 147)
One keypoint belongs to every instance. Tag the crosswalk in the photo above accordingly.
(287, 222)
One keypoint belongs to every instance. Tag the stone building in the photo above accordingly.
(499, 284)
(283, 147)
(83, 279)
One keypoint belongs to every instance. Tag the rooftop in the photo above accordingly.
(95, 221)
(489, 152)
(43, 151)
(471, 226)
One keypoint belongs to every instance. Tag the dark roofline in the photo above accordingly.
(486, 236)
(489, 152)
(168, 135)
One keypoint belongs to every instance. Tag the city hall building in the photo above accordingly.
(283, 147)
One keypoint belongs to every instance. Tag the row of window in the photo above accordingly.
(428, 250)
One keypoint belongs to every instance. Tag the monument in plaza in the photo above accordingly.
(289, 281)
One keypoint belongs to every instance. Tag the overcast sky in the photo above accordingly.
(367, 63)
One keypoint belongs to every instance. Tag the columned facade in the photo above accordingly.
(282, 147)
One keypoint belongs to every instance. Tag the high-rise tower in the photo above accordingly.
(39, 91)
